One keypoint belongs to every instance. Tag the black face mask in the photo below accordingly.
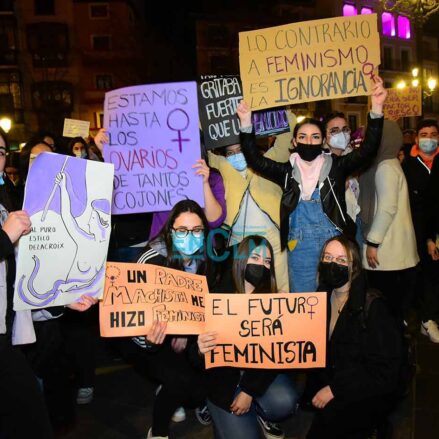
(257, 275)
(333, 275)
(308, 152)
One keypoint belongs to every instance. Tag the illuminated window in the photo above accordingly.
(388, 23)
(365, 11)
(403, 28)
(349, 10)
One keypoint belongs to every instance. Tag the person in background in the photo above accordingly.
(28, 154)
(390, 254)
(241, 401)
(357, 389)
(12, 167)
(409, 139)
(78, 147)
(313, 206)
(417, 168)
(401, 155)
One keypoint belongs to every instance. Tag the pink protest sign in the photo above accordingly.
(154, 141)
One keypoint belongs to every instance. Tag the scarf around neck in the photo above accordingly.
(309, 173)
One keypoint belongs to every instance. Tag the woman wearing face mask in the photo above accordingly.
(78, 147)
(357, 388)
(182, 245)
(239, 400)
(253, 201)
(313, 206)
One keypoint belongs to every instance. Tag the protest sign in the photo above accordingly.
(76, 128)
(63, 257)
(218, 98)
(137, 294)
(309, 61)
(270, 122)
(267, 331)
(403, 103)
(154, 141)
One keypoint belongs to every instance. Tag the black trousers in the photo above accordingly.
(398, 287)
(428, 281)
(23, 414)
(353, 420)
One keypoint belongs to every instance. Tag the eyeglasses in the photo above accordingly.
(340, 259)
(197, 232)
(336, 130)
(230, 153)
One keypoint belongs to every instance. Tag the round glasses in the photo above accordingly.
(197, 232)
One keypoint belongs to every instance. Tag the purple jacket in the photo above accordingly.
(217, 186)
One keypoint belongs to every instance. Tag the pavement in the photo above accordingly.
(121, 408)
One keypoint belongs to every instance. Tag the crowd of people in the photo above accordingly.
(320, 209)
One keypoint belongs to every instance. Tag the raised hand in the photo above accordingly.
(244, 114)
(379, 94)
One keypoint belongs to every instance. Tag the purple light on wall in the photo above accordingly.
(349, 10)
(388, 22)
(404, 28)
(365, 11)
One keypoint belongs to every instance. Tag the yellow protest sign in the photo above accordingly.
(269, 331)
(404, 102)
(137, 294)
(309, 61)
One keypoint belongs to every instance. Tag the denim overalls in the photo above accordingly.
(308, 231)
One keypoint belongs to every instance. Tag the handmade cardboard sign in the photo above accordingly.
(154, 141)
(76, 128)
(218, 98)
(137, 294)
(63, 257)
(404, 102)
(267, 331)
(309, 61)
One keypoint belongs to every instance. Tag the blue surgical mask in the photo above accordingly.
(340, 140)
(81, 154)
(188, 245)
(427, 145)
(238, 161)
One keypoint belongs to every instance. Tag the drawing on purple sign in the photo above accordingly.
(154, 141)
(69, 203)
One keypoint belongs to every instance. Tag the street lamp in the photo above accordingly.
(6, 124)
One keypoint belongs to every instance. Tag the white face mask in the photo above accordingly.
(340, 140)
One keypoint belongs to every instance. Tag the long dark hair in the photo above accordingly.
(174, 258)
(73, 142)
(352, 252)
(245, 248)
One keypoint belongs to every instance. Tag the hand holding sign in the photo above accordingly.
(157, 333)
(101, 138)
(244, 114)
(207, 342)
(379, 94)
(202, 169)
(17, 224)
(84, 303)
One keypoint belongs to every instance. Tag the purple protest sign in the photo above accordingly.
(154, 141)
(63, 257)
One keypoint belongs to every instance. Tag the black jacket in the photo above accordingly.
(7, 255)
(417, 175)
(432, 202)
(333, 190)
(364, 352)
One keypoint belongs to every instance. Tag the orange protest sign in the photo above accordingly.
(403, 103)
(270, 331)
(137, 294)
(309, 61)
